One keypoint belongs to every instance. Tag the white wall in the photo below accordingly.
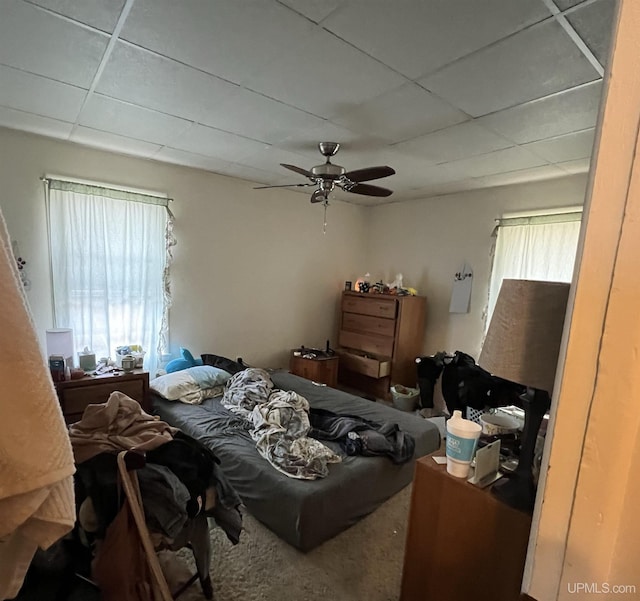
(253, 276)
(429, 240)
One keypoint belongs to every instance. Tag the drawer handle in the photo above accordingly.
(383, 308)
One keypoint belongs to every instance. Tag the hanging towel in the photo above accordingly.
(36, 463)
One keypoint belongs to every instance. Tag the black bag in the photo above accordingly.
(466, 384)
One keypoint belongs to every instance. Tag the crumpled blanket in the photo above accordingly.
(279, 423)
(120, 424)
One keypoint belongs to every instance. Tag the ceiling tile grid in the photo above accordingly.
(453, 94)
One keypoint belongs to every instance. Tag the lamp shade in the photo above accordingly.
(523, 340)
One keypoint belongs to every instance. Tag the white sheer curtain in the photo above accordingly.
(110, 252)
(534, 248)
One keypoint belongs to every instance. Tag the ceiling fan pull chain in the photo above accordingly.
(324, 227)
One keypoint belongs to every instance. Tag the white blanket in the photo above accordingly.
(36, 463)
(279, 425)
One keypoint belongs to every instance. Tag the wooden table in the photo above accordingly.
(319, 369)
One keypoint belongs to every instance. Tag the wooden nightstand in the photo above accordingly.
(319, 369)
(75, 395)
(462, 542)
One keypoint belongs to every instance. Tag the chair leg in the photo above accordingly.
(200, 543)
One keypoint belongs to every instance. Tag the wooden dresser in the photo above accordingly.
(462, 542)
(379, 339)
(75, 395)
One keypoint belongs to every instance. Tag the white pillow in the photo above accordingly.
(192, 385)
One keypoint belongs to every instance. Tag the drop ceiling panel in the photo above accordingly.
(324, 76)
(435, 189)
(306, 142)
(517, 177)
(416, 37)
(117, 117)
(423, 112)
(572, 110)
(564, 4)
(594, 24)
(501, 161)
(564, 148)
(146, 79)
(36, 41)
(38, 95)
(453, 143)
(101, 14)
(577, 166)
(190, 159)
(255, 116)
(215, 143)
(238, 86)
(35, 124)
(268, 158)
(228, 38)
(316, 10)
(533, 63)
(113, 142)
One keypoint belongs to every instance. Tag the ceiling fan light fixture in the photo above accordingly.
(328, 176)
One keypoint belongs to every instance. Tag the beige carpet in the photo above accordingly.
(362, 563)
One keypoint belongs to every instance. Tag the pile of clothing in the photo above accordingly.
(180, 482)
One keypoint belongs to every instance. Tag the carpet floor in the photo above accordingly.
(363, 562)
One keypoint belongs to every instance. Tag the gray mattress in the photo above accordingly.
(305, 513)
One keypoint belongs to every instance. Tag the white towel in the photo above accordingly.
(36, 462)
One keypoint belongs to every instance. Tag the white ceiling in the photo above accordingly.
(454, 94)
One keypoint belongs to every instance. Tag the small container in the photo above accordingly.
(128, 363)
(87, 359)
(57, 367)
(462, 439)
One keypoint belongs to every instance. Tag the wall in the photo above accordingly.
(428, 241)
(252, 267)
(253, 275)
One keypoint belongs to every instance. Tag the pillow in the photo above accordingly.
(233, 367)
(192, 385)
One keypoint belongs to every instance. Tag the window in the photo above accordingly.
(537, 247)
(110, 254)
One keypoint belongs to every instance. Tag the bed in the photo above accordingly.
(304, 513)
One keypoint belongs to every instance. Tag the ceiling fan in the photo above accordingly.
(327, 176)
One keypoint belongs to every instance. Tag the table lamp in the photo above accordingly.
(522, 345)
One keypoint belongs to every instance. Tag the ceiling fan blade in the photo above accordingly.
(299, 170)
(369, 173)
(283, 186)
(368, 190)
(320, 196)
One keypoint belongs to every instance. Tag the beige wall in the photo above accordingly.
(429, 240)
(254, 275)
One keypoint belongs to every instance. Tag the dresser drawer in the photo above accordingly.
(369, 343)
(368, 324)
(370, 305)
(362, 364)
(74, 400)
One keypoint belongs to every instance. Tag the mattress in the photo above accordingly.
(304, 513)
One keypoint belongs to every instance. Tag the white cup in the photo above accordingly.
(462, 439)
